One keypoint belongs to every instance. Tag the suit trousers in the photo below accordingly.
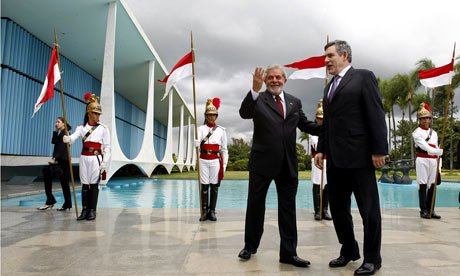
(342, 182)
(64, 178)
(286, 187)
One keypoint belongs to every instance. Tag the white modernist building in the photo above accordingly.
(101, 43)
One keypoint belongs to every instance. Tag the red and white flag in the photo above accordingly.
(180, 71)
(52, 77)
(314, 67)
(437, 76)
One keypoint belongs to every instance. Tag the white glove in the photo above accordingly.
(103, 166)
(197, 143)
(66, 139)
(439, 152)
(105, 161)
(225, 159)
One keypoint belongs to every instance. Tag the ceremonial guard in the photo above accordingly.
(94, 156)
(212, 142)
(426, 144)
(317, 173)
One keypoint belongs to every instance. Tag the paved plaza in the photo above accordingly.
(143, 241)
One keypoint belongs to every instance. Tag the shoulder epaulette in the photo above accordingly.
(221, 127)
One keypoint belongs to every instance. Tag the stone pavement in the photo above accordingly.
(141, 241)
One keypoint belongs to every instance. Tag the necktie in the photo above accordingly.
(280, 105)
(335, 82)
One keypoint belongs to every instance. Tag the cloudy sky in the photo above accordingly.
(231, 38)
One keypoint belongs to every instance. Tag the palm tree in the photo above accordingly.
(386, 101)
(399, 83)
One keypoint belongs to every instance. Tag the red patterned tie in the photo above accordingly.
(280, 105)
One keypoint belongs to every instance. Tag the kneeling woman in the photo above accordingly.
(94, 156)
(212, 141)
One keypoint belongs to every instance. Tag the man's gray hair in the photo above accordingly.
(342, 46)
(276, 66)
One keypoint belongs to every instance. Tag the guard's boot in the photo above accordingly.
(213, 202)
(316, 200)
(422, 201)
(84, 202)
(204, 202)
(94, 197)
(326, 215)
(429, 199)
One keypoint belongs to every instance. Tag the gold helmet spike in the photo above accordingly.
(424, 111)
(212, 106)
(92, 104)
(319, 110)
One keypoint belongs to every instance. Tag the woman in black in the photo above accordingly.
(58, 168)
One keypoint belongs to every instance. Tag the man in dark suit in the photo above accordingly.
(276, 116)
(353, 137)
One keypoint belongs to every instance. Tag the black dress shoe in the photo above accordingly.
(326, 216)
(424, 214)
(367, 269)
(295, 261)
(342, 261)
(63, 209)
(435, 216)
(245, 254)
(317, 216)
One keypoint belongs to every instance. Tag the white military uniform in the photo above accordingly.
(89, 164)
(315, 172)
(209, 168)
(425, 164)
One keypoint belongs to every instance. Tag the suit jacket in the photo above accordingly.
(274, 138)
(60, 150)
(354, 125)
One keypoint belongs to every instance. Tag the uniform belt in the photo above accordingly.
(209, 152)
(90, 151)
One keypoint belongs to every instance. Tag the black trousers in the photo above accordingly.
(362, 183)
(48, 179)
(286, 187)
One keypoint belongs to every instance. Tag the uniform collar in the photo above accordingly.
(424, 128)
(209, 125)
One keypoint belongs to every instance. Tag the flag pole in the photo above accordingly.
(322, 170)
(444, 122)
(65, 123)
(196, 128)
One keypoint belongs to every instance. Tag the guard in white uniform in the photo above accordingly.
(426, 145)
(316, 173)
(94, 156)
(212, 142)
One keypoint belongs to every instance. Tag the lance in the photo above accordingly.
(324, 161)
(444, 122)
(65, 124)
(202, 216)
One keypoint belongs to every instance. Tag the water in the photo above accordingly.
(173, 193)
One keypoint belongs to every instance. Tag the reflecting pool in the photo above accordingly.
(175, 193)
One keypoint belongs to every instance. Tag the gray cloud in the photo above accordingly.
(232, 37)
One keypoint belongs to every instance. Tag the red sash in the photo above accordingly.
(91, 148)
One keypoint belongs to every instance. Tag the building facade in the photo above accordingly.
(114, 60)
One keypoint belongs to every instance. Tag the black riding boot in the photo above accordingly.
(422, 201)
(316, 200)
(93, 201)
(213, 202)
(326, 215)
(84, 201)
(429, 199)
(204, 202)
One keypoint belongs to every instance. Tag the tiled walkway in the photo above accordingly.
(138, 242)
(172, 242)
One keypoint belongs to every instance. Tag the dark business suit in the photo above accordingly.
(61, 156)
(354, 129)
(273, 157)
